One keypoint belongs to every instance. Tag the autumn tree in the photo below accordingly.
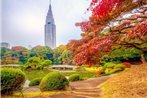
(21, 53)
(62, 55)
(113, 22)
(6, 56)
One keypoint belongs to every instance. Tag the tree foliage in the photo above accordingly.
(113, 22)
(43, 52)
(122, 54)
(33, 62)
(7, 57)
(46, 63)
(21, 53)
(62, 55)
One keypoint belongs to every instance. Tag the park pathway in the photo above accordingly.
(84, 89)
(79, 89)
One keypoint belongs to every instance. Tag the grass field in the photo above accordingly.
(31, 74)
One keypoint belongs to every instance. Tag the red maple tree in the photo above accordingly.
(101, 34)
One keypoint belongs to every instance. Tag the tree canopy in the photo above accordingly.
(113, 22)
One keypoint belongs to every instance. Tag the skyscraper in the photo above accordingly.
(50, 29)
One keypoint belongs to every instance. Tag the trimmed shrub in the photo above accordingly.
(100, 72)
(11, 80)
(35, 82)
(92, 69)
(109, 65)
(108, 70)
(53, 81)
(127, 64)
(46, 63)
(120, 66)
(33, 63)
(74, 77)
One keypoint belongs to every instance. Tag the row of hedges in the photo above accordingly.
(54, 81)
(13, 80)
(37, 81)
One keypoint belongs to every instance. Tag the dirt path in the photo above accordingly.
(84, 89)
(79, 89)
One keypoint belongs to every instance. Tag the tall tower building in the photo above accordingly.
(50, 29)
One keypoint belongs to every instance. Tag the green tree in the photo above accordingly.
(42, 51)
(46, 63)
(3, 51)
(121, 54)
(33, 62)
(62, 55)
(20, 53)
(57, 54)
(6, 56)
(66, 57)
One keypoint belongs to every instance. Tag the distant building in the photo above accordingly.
(5, 45)
(50, 29)
(29, 47)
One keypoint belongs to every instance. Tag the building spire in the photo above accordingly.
(50, 13)
(50, 2)
(50, 7)
(49, 17)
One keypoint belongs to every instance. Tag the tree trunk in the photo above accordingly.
(143, 59)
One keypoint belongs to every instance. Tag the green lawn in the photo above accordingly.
(83, 74)
(31, 74)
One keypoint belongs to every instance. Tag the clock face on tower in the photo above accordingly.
(49, 22)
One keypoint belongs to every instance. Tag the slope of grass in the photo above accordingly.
(32, 74)
(131, 83)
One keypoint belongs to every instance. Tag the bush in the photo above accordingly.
(120, 66)
(35, 82)
(74, 77)
(127, 64)
(33, 63)
(110, 68)
(109, 65)
(99, 72)
(11, 80)
(46, 63)
(92, 69)
(53, 81)
(108, 71)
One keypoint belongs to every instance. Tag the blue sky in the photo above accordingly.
(23, 20)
